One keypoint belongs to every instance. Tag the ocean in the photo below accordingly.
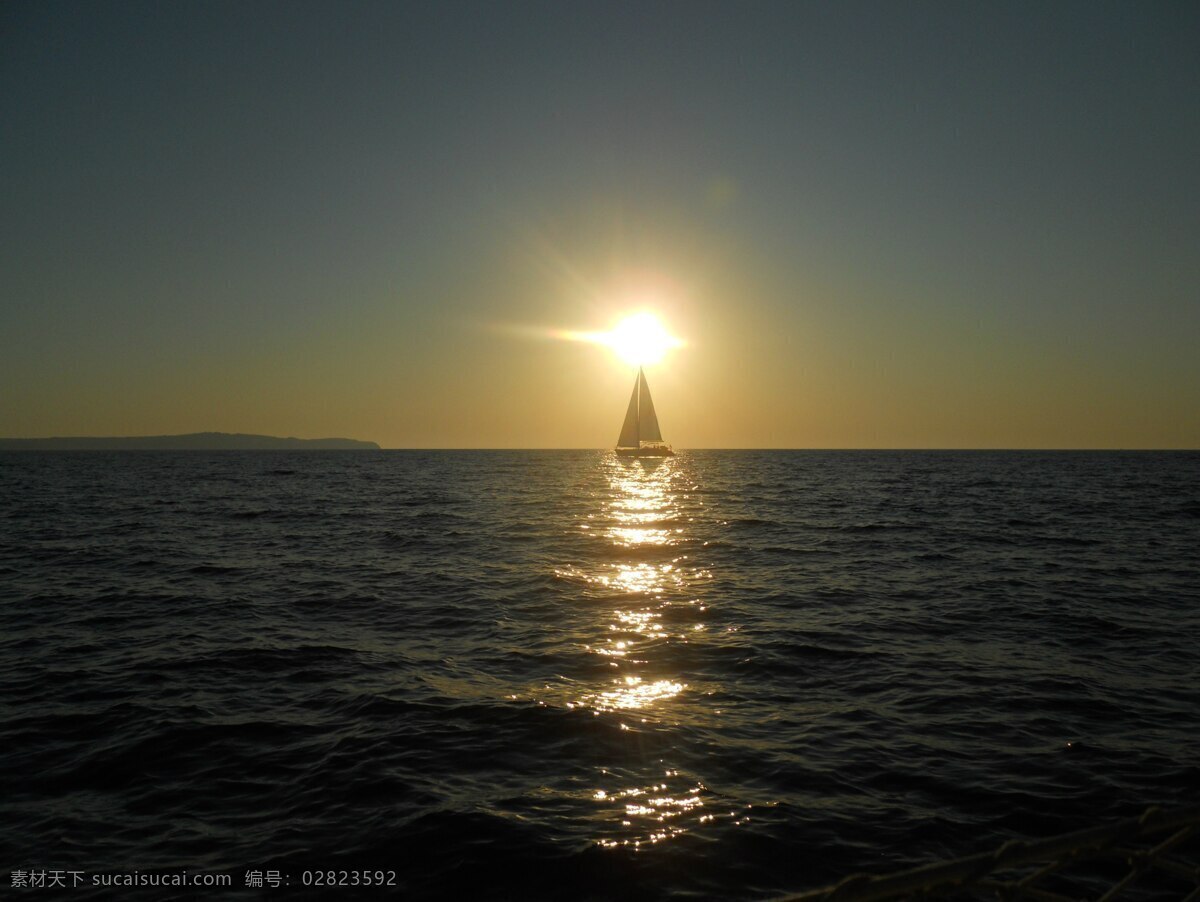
(559, 675)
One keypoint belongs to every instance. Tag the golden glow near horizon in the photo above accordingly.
(824, 305)
(637, 339)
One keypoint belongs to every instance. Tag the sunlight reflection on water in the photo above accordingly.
(642, 597)
(641, 516)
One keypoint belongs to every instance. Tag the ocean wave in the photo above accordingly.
(751, 673)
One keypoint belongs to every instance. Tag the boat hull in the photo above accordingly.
(645, 452)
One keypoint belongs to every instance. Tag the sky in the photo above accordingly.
(875, 225)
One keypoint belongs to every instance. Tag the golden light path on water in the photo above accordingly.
(644, 588)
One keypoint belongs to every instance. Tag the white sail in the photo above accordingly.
(647, 429)
(629, 429)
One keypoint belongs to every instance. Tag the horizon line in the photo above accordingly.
(920, 448)
(786, 448)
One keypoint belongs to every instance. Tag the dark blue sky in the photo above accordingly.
(892, 223)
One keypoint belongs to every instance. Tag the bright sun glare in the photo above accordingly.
(641, 339)
(638, 339)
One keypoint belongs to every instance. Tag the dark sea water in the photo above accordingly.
(558, 675)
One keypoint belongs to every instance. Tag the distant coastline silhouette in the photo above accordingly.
(194, 441)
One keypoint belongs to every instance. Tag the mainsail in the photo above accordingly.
(647, 421)
(629, 429)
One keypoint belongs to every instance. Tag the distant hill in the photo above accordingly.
(196, 441)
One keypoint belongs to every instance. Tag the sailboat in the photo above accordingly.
(639, 433)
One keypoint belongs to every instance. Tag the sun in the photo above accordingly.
(640, 339)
